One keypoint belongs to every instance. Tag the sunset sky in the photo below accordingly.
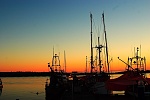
(29, 29)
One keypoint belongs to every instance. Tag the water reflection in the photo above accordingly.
(23, 88)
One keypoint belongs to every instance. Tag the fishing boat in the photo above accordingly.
(95, 81)
(1, 85)
(99, 72)
(134, 81)
(57, 83)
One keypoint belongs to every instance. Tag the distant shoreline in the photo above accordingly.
(23, 74)
(28, 74)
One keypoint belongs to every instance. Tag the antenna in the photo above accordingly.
(53, 50)
(53, 56)
(134, 51)
(59, 62)
(140, 50)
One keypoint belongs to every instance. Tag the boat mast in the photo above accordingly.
(106, 43)
(99, 50)
(64, 61)
(137, 58)
(53, 56)
(91, 45)
(86, 65)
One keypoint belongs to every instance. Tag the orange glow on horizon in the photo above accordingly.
(78, 65)
(68, 69)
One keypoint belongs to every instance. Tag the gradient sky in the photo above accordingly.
(29, 29)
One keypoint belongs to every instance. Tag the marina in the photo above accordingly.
(74, 50)
(98, 83)
(78, 91)
(94, 83)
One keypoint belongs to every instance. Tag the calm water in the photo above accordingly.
(25, 88)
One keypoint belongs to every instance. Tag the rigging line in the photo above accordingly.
(96, 31)
(100, 28)
(105, 62)
(106, 42)
(101, 32)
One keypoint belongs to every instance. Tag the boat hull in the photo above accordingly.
(100, 89)
(1, 86)
(53, 93)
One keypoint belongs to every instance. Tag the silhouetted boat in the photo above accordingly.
(133, 82)
(96, 85)
(93, 83)
(97, 79)
(56, 85)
